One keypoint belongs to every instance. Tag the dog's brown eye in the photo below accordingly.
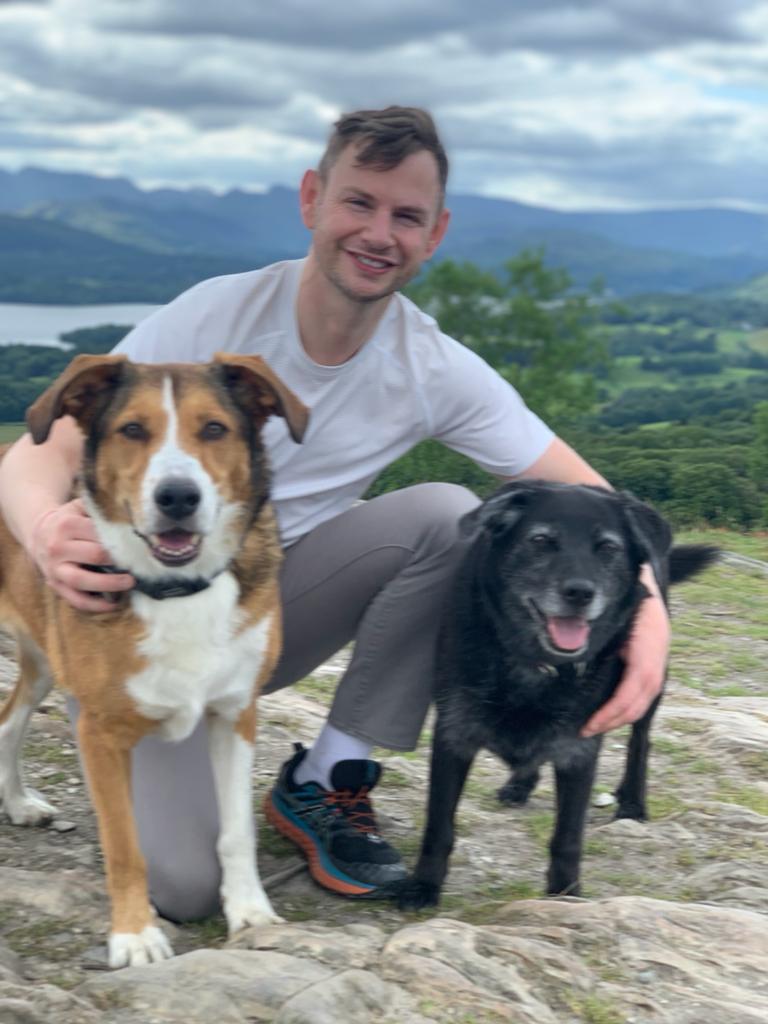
(213, 431)
(133, 431)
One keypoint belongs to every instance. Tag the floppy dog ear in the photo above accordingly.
(649, 529)
(499, 513)
(79, 392)
(250, 380)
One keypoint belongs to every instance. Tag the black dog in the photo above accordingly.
(530, 647)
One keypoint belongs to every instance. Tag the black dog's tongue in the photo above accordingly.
(569, 634)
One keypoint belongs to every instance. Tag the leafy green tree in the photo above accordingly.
(758, 455)
(529, 325)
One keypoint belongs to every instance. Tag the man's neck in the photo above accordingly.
(332, 327)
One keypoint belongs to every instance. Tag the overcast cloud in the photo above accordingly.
(587, 104)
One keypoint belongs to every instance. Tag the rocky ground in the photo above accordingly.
(674, 927)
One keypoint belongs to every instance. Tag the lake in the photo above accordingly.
(42, 325)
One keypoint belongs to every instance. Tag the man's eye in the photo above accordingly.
(133, 431)
(213, 431)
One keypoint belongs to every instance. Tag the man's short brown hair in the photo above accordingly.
(385, 138)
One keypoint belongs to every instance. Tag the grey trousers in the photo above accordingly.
(375, 574)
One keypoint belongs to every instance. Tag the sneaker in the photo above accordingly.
(336, 829)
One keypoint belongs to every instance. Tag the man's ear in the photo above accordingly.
(438, 230)
(260, 392)
(81, 391)
(309, 193)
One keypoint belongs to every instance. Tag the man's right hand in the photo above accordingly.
(63, 541)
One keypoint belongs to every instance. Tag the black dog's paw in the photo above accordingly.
(415, 895)
(514, 793)
(633, 810)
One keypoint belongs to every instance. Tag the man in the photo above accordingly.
(378, 376)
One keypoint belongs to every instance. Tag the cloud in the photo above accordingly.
(572, 103)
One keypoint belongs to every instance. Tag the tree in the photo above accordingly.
(530, 326)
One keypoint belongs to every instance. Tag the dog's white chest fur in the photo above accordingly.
(198, 657)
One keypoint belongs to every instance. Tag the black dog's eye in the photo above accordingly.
(606, 546)
(213, 431)
(133, 431)
(542, 542)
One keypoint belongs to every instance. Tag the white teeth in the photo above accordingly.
(188, 549)
(376, 264)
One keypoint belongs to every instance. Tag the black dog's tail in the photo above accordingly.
(685, 560)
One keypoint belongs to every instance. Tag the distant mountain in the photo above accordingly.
(45, 262)
(187, 230)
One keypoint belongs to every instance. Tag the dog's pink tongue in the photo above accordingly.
(175, 538)
(568, 634)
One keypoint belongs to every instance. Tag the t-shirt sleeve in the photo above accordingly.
(478, 413)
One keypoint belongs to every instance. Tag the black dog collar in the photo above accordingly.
(162, 588)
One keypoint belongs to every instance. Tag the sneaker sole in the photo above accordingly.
(335, 882)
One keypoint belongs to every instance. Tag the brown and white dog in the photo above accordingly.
(176, 481)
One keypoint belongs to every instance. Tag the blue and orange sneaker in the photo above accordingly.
(336, 829)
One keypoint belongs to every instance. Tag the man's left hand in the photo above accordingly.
(645, 655)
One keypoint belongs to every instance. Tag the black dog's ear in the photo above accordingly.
(500, 512)
(649, 529)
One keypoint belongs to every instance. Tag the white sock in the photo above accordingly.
(331, 746)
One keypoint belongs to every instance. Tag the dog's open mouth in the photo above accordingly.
(175, 547)
(567, 634)
(561, 634)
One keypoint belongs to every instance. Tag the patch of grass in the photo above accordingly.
(320, 687)
(663, 805)
(688, 726)
(744, 796)
(210, 932)
(539, 825)
(51, 935)
(594, 1009)
(484, 903)
(11, 432)
(754, 760)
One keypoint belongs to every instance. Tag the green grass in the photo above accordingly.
(753, 545)
(11, 431)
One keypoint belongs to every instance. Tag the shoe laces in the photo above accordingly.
(355, 807)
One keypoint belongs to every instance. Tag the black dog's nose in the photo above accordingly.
(578, 592)
(177, 499)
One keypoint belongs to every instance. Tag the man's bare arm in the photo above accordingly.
(647, 650)
(36, 484)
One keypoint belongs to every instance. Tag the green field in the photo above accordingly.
(10, 431)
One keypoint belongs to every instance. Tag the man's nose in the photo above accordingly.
(378, 229)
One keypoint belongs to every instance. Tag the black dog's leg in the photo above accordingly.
(631, 792)
(574, 786)
(518, 787)
(448, 773)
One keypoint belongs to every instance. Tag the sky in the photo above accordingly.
(592, 104)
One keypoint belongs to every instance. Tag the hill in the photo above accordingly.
(669, 250)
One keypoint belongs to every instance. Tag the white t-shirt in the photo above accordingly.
(407, 383)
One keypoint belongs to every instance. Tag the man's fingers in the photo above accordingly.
(627, 705)
(74, 577)
(82, 601)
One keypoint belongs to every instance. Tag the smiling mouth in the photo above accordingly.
(562, 634)
(174, 547)
(371, 263)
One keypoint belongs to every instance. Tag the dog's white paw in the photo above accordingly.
(28, 808)
(254, 912)
(129, 949)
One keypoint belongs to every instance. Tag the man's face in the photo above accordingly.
(373, 229)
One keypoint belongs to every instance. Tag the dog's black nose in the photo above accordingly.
(578, 592)
(177, 499)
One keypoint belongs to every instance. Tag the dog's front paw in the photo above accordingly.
(413, 894)
(28, 808)
(252, 913)
(131, 949)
